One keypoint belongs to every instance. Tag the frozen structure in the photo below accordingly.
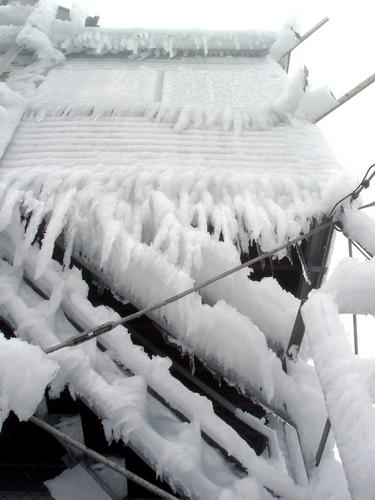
(134, 165)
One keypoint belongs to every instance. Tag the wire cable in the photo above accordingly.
(364, 184)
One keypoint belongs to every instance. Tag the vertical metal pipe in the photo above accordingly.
(355, 325)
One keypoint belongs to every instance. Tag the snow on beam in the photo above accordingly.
(360, 226)
(346, 391)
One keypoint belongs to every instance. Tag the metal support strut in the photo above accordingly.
(100, 458)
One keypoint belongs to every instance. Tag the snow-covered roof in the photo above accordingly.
(213, 144)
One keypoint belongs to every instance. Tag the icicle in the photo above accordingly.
(11, 200)
(237, 122)
(69, 244)
(205, 48)
(259, 252)
(170, 47)
(272, 267)
(184, 119)
(198, 118)
(192, 363)
(227, 118)
(303, 265)
(35, 221)
(54, 228)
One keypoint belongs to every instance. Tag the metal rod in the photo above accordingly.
(100, 458)
(364, 252)
(349, 95)
(307, 35)
(372, 204)
(107, 327)
(355, 330)
(9, 56)
(323, 441)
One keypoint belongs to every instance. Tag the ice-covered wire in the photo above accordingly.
(106, 327)
(364, 184)
(100, 458)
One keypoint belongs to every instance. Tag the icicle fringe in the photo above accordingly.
(182, 117)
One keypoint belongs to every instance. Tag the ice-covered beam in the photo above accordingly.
(345, 389)
(307, 35)
(349, 95)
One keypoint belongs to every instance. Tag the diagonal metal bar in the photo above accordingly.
(349, 95)
(307, 35)
(372, 204)
(360, 249)
(100, 458)
(323, 442)
(9, 56)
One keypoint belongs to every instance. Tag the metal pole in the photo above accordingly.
(307, 35)
(322, 444)
(355, 330)
(360, 249)
(100, 458)
(349, 95)
(372, 204)
(9, 56)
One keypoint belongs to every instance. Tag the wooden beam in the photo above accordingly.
(307, 35)
(349, 95)
(9, 56)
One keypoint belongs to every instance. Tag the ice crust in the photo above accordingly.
(25, 372)
(285, 40)
(168, 43)
(14, 14)
(360, 226)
